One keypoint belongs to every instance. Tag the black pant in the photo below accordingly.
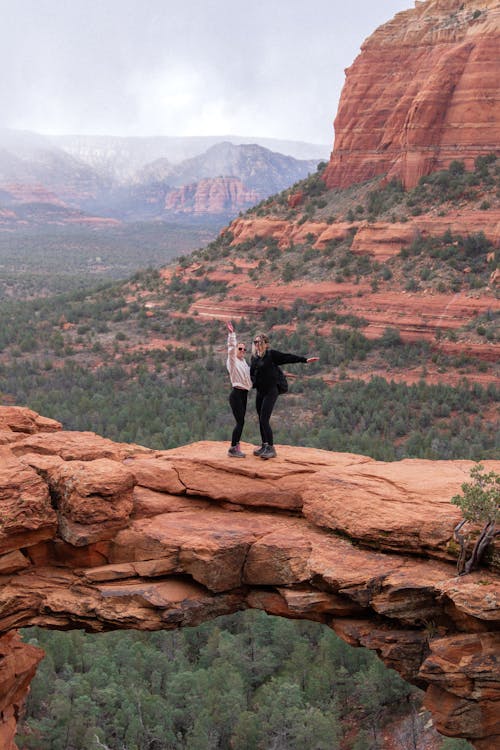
(238, 402)
(264, 403)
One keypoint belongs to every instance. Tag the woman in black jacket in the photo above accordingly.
(264, 374)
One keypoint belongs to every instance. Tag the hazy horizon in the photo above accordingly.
(217, 137)
(272, 70)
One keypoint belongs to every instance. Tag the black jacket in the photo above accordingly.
(263, 370)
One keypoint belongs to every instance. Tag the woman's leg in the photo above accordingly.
(258, 405)
(266, 409)
(238, 403)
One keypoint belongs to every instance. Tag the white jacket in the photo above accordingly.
(239, 371)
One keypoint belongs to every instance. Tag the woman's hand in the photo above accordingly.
(312, 359)
(230, 326)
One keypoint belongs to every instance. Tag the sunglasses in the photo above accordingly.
(257, 341)
(242, 348)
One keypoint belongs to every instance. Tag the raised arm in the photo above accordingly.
(231, 340)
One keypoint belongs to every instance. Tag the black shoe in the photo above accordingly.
(268, 452)
(260, 451)
(235, 452)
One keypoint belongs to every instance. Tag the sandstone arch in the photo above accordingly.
(100, 535)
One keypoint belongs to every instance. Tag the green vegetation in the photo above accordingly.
(456, 183)
(184, 399)
(480, 504)
(129, 362)
(445, 264)
(444, 186)
(384, 198)
(52, 260)
(455, 744)
(378, 199)
(247, 681)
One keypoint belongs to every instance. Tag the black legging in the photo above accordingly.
(264, 403)
(238, 402)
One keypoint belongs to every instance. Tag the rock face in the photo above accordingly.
(100, 536)
(18, 663)
(423, 91)
(380, 239)
(219, 195)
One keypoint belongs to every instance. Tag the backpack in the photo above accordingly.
(281, 380)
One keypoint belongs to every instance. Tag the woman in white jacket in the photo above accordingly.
(239, 373)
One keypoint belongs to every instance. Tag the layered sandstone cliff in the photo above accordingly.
(218, 195)
(380, 239)
(101, 536)
(423, 92)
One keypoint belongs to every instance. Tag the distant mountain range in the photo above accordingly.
(72, 178)
(124, 156)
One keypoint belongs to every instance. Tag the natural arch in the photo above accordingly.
(102, 536)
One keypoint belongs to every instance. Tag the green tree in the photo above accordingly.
(480, 504)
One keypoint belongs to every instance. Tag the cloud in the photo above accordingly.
(128, 67)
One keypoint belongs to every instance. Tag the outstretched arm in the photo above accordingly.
(282, 358)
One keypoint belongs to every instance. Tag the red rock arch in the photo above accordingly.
(101, 536)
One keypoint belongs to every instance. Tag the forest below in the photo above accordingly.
(241, 682)
(56, 259)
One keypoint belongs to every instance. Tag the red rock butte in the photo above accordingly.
(423, 91)
(101, 536)
(211, 196)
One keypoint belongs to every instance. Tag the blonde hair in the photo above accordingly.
(263, 338)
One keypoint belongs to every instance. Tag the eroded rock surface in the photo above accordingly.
(102, 536)
(422, 92)
(217, 195)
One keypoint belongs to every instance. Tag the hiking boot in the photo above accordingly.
(268, 452)
(235, 452)
(260, 451)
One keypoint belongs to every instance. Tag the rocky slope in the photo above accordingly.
(100, 535)
(405, 267)
(420, 100)
(422, 92)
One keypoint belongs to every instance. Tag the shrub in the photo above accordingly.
(391, 337)
(289, 272)
(456, 167)
(386, 273)
(479, 503)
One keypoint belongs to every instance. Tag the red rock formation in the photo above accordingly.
(20, 193)
(382, 239)
(18, 663)
(295, 199)
(150, 540)
(220, 195)
(423, 91)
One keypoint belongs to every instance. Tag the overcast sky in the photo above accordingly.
(271, 68)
